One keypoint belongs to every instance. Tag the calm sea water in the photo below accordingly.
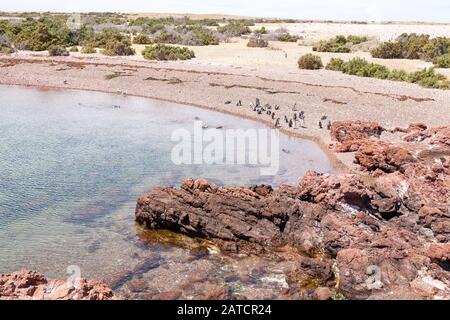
(72, 165)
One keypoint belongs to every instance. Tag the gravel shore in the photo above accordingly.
(317, 93)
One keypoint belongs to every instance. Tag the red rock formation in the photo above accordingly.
(34, 286)
(382, 235)
(351, 134)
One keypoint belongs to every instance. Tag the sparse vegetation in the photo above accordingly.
(166, 52)
(234, 29)
(335, 64)
(5, 45)
(442, 61)
(310, 62)
(262, 30)
(54, 51)
(73, 49)
(339, 44)
(287, 37)
(413, 46)
(88, 48)
(257, 43)
(142, 39)
(118, 48)
(427, 78)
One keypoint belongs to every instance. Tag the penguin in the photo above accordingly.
(320, 124)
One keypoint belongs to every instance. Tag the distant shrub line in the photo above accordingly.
(427, 78)
(338, 44)
(413, 46)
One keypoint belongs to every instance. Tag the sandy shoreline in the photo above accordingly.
(317, 93)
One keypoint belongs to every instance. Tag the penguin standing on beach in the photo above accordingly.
(329, 125)
(320, 124)
(239, 103)
(277, 123)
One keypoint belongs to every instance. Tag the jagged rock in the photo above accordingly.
(381, 235)
(350, 135)
(26, 284)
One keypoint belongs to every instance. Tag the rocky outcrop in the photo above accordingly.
(30, 285)
(379, 235)
(350, 135)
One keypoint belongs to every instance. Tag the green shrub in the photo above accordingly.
(109, 35)
(73, 49)
(387, 50)
(88, 48)
(118, 48)
(354, 66)
(54, 51)
(257, 43)
(398, 75)
(335, 64)
(142, 39)
(40, 39)
(337, 44)
(356, 39)
(427, 78)
(287, 37)
(413, 46)
(310, 62)
(234, 29)
(442, 61)
(263, 30)
(373, 70)
(166, 52)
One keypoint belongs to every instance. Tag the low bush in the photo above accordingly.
(5, 45)
(356, 39)
(427, 78)
(88, 48)
(257, 43)
(234, 29)
(54, 51)
(73, 49)
(442, 61)
(387, 50)
(118, 48)
(398, 75)
(413, 46)
(263, 30)
(335, 64)
(310, 62)
(142, 39)
(166, 52)
(337, 44)
(287, 37)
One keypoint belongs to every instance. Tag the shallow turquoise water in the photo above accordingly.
(72, 166)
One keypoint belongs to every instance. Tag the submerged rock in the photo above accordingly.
(31, 285)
